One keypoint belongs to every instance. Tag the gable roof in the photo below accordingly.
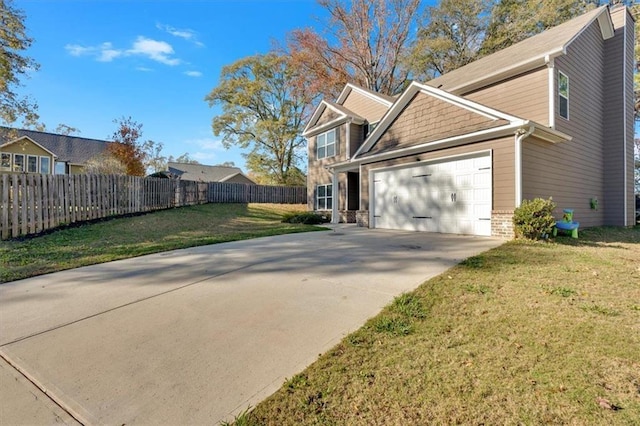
(344, 114)
(18, 139)
(409, 94)
(378, 97)
(504, 124)
(524, 56)
(71, 149)
(204, 173)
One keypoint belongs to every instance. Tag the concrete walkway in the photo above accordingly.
(195, 336)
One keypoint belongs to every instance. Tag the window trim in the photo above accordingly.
(15, 163)
(325, 197)
(3, 156)
(37, 163)
(44, 157)
(370, 128)
(325, 145)
(562, 96)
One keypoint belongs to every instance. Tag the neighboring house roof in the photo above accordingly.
(71, 149)
(19, 138)
(203, 173)
(524, 56)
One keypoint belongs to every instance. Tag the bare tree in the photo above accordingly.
(363, 43)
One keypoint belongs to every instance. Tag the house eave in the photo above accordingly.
(331, 124)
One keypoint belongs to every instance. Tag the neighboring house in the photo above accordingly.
(41, 152)
(202, 173)
(551, 116)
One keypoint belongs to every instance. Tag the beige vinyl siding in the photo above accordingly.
(503, 169)
(240, 179)
(630, 101)
(326, 116)
(572, 172)
(27, 148)
(614, 122)
(364, 106)
(317, 174)
(427, 119)
(525, 96)
(76, 169)
(357, 137)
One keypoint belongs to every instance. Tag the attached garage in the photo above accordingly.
(451, 195)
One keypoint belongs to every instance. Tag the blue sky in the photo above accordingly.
(153, 60)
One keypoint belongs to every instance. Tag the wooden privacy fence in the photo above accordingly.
(222, 192)
(32, 203)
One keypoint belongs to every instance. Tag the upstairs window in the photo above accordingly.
(324, 198)
(563, 95)
(326, 144)
(370, 127)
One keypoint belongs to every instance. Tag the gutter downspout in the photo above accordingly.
(521, 135)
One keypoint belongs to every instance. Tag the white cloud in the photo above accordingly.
(206, 144)
(185, 34)
(193, 73)
(159, 51)
(144, 69)
(155, 50)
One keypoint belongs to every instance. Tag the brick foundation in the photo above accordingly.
(347, 216)
(362, 218)
(502, 224)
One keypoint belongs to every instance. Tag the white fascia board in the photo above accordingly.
(604, 21)
(466, 104)
(326, 126)
(30, 140)
(548, 134)
(496, 132)
(505, 73)
(317, 113)
(349, 87)
(410, 92)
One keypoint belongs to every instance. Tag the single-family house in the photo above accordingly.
(30, 151)
(551, 116)
(203, 173)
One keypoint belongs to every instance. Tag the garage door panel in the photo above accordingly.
(448, 197)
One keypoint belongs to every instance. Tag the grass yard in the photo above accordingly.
(135, 236)
(527, 333)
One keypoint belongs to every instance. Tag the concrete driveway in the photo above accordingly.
(195, 336)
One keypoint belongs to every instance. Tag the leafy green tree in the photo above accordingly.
(450, 37)
(262, 112)
(515, 20)
(14, 65)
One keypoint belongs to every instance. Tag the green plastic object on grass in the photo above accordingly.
(567, 224)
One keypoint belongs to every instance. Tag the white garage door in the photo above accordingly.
(450, 197)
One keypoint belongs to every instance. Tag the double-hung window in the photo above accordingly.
(45, 165)
(324, 197)
(18, 162)
(32, 164)
(326, 144)
(563, 95)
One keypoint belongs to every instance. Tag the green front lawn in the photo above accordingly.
(527, 333)
(150, 233)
